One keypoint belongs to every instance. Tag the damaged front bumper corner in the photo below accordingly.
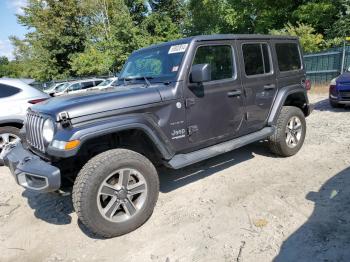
(29, 170)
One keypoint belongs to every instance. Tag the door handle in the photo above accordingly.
(269, 87)
(234, 93)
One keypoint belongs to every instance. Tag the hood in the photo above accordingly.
(344, 78)
(92, 102)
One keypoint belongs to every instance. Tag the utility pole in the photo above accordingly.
(344, 54)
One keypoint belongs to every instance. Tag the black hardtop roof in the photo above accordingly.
(219, 37)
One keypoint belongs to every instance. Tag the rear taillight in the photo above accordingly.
(333, 90)
(308, 84)
(35, 101)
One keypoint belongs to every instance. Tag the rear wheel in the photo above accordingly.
(115, 192)
(290, 132)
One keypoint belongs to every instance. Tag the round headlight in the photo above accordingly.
(48, 130)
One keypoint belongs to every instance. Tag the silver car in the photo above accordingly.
(15, 98)
(79, 86)
(52, 88)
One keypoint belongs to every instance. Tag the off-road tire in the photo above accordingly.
(87, 183)
(277, 141)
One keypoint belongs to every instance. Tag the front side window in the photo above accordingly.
(7, 91)
(288, 57)
(256, 59)
(219, 57)
(75, 87)
(156, 64)
(62, 88)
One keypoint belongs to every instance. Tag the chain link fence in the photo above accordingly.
(322, 67)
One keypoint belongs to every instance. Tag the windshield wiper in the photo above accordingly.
(146, 78)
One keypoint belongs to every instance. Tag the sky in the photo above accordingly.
(9, 25)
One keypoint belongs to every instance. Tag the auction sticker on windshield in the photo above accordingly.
(178, 49)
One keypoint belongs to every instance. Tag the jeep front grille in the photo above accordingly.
(34, 131)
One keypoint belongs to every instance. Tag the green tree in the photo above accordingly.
(341, 28)
(319, 14)
(57, 32)
(309, 39)
(211, 17)
(118, 27)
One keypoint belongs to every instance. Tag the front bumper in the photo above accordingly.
(29, 170)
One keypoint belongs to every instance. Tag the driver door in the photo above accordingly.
(214, 108)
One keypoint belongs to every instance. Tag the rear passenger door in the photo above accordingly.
(258, 82)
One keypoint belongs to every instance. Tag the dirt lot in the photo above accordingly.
(246, 205)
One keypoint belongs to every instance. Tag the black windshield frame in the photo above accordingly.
(170, 64)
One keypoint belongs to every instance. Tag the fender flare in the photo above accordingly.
(11, 121)
(280, 99)
(110, 126)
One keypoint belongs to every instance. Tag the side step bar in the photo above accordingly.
(182, 160)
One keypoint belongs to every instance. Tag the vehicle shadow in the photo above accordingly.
(51, 208)
(57, 209)
(326, 234)
(324, 105)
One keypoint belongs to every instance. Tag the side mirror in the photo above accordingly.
(348, 69)
(201, 73)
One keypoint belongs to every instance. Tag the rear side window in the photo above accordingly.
(7, 91)
(256, 59)
(86, 85)
(288, 57)
(220, 59)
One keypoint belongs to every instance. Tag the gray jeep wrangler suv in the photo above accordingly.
(176, 104)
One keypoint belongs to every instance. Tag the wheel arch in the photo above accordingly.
(118, 134)
(289, 96)
(12, 122)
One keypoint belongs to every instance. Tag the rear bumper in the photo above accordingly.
(29, 170)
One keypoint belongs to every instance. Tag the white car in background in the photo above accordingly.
(110, 82)
(51, 90)
(78, 86)
(15, 98)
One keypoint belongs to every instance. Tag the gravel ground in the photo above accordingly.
(246, 205)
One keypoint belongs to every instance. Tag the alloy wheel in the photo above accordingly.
(6, 138)
(294, 130)
(122, 195)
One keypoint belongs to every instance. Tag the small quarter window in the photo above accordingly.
(220, 59)
(7, 91)
(256, 59)
(288, 57)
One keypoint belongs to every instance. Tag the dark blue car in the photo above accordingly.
(339, 90)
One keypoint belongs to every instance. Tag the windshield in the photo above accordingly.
(61, 88)
(105, 83)
(156, 64)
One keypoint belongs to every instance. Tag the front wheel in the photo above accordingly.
(115, 192)
(290, 132)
